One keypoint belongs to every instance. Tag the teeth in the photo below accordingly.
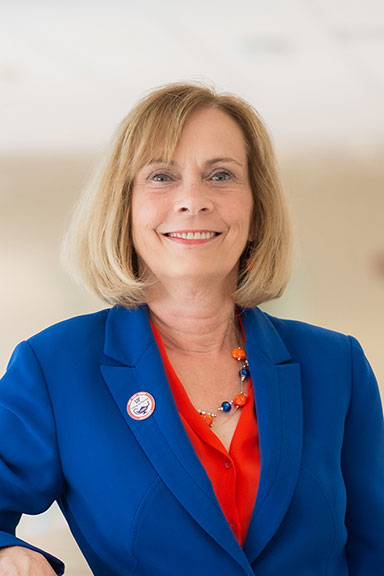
(192, 235)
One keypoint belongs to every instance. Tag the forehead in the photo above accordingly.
(215, 129)
(206, 131)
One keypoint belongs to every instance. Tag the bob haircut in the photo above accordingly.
(98, 247)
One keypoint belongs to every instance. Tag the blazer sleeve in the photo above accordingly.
(30, 471)
(363, 469)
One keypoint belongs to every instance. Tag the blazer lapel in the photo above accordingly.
(162, 436)
(278, 401)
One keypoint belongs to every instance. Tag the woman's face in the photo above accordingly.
(191, 217)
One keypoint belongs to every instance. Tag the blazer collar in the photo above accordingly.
(129, 341)
(128, 334)
(278, 402)
(262, 336)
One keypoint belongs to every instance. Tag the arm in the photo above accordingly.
(30, 472)
(363, 469)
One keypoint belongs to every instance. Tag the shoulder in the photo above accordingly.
(297, 330)
(311, 342)
(91, 336)
(79, 332)
(329, 360)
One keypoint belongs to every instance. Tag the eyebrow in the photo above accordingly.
(208, 163)
(223, 159)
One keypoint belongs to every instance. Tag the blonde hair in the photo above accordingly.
(98, 246)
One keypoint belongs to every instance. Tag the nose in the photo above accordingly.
(193, 198)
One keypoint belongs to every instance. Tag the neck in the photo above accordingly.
(194, 319)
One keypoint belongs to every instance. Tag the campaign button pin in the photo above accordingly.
(141, 405)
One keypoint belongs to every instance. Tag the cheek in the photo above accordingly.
(141, 216)
(249, 204)
(242, 217)
(148, 210)
(138, 228)
(145, 221)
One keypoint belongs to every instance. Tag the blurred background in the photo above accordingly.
(70, 71)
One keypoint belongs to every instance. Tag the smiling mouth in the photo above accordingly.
(202, 235)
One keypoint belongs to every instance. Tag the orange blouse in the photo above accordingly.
(234, 474)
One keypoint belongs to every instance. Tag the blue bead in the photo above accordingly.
(226, 406)
(244, 372)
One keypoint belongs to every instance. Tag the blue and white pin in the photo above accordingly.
(141, 406)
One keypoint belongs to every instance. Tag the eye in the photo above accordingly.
(160, 177)
(222, 176)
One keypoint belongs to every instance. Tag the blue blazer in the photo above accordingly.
(134, 493)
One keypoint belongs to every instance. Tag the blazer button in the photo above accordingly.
(228, 464)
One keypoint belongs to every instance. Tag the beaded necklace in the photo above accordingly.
(240, 399)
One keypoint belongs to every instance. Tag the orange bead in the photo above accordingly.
(240, 400)
(239, 354)
(207, 419)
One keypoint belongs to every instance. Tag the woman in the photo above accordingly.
(184, 430)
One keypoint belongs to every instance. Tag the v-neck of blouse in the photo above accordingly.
(234, 474)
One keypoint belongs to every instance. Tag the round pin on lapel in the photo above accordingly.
(141, 405)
